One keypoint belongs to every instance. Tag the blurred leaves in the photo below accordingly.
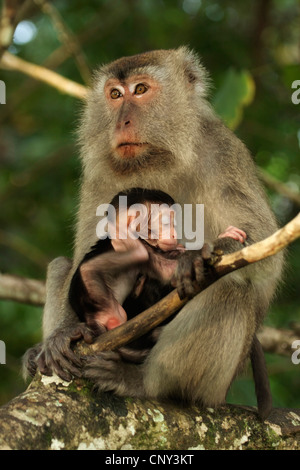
(236, 92)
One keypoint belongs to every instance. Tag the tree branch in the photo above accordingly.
(29, 291)
(25, 248)
(279, 187)
(52, 415)
(11, 62)
(12, 11)
(67, 38)
(278, 341)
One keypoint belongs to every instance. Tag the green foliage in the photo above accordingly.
(253, 57)
(236, 92)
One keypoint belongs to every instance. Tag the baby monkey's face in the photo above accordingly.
(152, 222)
(162, 227)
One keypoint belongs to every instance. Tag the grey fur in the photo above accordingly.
(199, 353)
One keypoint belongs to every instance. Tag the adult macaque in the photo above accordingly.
(147, 124)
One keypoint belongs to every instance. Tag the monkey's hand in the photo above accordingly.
(136, 356)
(29, 361)
(139, 355)
(235, 233)
(226, 243)
(56, 354)
(194, 267)
(189, 273)
(110, 373)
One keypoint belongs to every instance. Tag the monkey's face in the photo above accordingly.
(142, 114)
(128, 101)
(162, 228)
(134, 136)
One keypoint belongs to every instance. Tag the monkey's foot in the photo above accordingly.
(57, 355)
(29, 361)
(110, 374)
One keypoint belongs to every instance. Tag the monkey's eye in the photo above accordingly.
(140, 89)
(115, 94)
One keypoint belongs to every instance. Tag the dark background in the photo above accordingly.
(252, 51)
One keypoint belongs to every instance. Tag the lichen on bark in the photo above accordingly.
(57, 415)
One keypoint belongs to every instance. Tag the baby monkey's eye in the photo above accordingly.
(140, 89)
(115, 94)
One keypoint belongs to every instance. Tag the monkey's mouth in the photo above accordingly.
(130, 149)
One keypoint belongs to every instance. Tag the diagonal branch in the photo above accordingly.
(11, 62)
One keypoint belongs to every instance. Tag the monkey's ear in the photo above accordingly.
(191, 76)
(196, 75)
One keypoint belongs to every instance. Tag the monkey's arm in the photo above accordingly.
(86, 296)
(60, 326)
(97, 290)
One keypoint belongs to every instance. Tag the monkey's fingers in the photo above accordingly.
(41, 365)
(103, 373)
(47, 366)
(63, 367)
(235, 233)
(155, 334)
(240, 234)
(134, 355)
(207, 251)
(31, 368)
(59, 358)
(29, 361)
(102, 356)
(186, 288)
(83, 331)
(100, 366)
(183, 274)
(198, 269)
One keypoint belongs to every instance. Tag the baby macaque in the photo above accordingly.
(142, 247)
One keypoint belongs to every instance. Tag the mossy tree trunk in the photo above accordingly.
(52, 414)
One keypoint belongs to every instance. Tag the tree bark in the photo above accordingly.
(52, 414)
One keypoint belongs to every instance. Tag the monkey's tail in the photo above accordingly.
(261, 380)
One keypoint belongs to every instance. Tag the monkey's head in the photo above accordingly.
(143, 113)
(147, 214)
